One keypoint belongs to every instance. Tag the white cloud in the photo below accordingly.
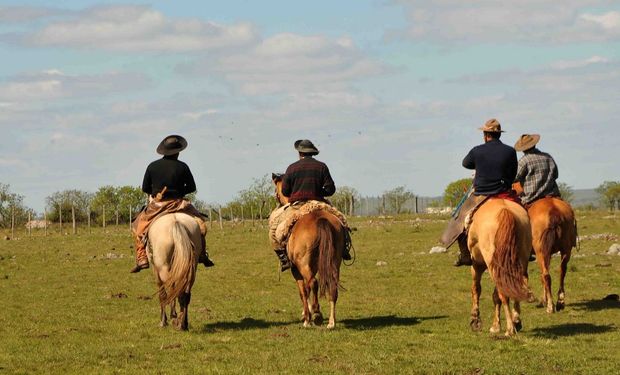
(289, 62)
(18, 14)
(54, 84)
(138, 28)
(571, 64)
(496, 21)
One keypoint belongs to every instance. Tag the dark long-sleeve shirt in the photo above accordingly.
(496, 167)
(171, 173)
(307, 179)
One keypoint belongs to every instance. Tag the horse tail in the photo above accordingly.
(507, 268)
(552, 233)
(182, 265)
(328, 266)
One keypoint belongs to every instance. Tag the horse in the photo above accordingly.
(554, 229)
(500, 239)
(174, 241)
(315, 246)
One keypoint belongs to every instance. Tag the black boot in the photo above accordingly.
(285, 263)
(204, 259)
(464, 258)
(346, 254)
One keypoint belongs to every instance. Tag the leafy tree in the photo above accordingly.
(129, 197)
(610, 194)
(566, 191)
(397, 197)
(62, 202)
(258, 197)
(344, 199)
(455, 191)
(12, 204)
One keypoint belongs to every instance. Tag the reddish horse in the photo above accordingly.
(315, 245)
(554, 229)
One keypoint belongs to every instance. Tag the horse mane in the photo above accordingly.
(506, 267)
(328, 267)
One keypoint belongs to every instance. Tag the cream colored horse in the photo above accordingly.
(174, 243)
(500, 239)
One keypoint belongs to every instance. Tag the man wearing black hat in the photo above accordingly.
(166, 181)
(306, 179)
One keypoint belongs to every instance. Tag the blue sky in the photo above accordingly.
(391, 91)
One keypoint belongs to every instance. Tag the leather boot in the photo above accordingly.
(204, 256)
(285, 263)
(464, 258)
(142, 260)
(346, 255)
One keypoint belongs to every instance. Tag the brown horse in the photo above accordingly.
(315, 246)
(554, 229)
(500, 239)
(174, 241)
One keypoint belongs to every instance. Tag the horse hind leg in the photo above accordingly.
(510, 326)
(182, 321)
(304, 291)
(516, 316)
(315, 308)
(545, 277)
(497, 309)
(563, 268)
(164, 319)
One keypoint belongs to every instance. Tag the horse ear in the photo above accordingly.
(275, 177)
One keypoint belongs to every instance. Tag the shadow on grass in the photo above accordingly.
(374, 322)
(572, 329)
(243, 324)
(596, 305)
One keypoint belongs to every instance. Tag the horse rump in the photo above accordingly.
(507, 268)
(328, 264)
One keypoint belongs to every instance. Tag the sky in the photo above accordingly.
(392, 92)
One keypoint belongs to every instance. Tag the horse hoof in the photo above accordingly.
(494, 329)
(559, 306)
(475, 325)
(550, 309)
(307, 324)
(510, 332)
(518, 325)
(163, 324)
(317, 318)
(331, 325)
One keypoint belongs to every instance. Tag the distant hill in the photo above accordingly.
(585, 197)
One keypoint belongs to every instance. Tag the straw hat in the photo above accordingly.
(171, 145)
(305, 146)
(527, 141)
(492, 126)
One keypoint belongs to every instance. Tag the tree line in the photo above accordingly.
(120, 204)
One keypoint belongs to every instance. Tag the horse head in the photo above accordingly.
(277, 181)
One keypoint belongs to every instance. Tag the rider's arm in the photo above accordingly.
(147, 185)
(189, 183)
(469, 162)
(329, 187)
(521, 171)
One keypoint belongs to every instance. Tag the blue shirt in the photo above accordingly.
(496, 167)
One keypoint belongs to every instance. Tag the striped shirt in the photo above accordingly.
(537, 173)
(307, 179)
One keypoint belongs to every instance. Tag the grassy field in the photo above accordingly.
(69, 305)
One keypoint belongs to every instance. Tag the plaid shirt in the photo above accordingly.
(307, 179)
(537, 173)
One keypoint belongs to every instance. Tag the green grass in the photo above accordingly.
(68, 307)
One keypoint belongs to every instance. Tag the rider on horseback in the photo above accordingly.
(166, 181)
(496, 166)
(537, 172)
(305, 180)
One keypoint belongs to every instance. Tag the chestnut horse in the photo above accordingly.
(315, 245)
(553, 229)
(500, 239)
(174, 243)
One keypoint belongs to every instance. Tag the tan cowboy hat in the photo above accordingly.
(492, 126)
(527, 141)
(305, 146)
(172, 144)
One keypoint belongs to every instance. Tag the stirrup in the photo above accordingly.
(139, 267)
(463, 261)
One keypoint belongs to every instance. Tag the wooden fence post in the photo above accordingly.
(220, 213)
(210, 218)
(252, 213)
(60, 215)
(88, 214)
(130, 218)
(29, 224)
(103, 221)
(242, 219)
(117, 216)
(73, 218)
(12, 222)
(45, 221)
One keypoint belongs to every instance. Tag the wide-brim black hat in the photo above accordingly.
(305, 146)
(172, 144)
